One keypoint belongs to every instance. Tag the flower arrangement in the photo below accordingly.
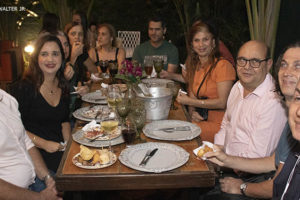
(130, 72)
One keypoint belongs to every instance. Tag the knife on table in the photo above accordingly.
(148, 156)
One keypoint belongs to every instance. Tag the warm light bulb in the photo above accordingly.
(29, 49)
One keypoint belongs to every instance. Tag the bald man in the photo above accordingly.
(254, 118)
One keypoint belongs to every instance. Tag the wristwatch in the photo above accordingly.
(243, 188)
(45, 178)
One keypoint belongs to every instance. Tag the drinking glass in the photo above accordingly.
(158, 65)
(108, 126)
(113, 69)
(148, 66)
(128, 133)
(123, 108)
(174, 87)
(137, 116)
(103, 65)
(113, 96)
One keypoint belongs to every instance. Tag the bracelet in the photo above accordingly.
(45, 179)
(34, 138)
(202, 102)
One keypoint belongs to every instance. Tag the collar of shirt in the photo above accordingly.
(261, 89)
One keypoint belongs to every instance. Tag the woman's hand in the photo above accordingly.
(82, 90)
(196, 116)
(77, 49)
(52, 147)
(69, 72)
(183, 98)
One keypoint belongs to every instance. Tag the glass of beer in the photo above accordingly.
(148, 66)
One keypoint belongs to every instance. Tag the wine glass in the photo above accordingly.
(174, 87)
(128, 132)
(148, 66)
(123, 108)
(113, 69)
(103, 65)
(113, 96)
(158, 65)
(108, 125)
(138, 116)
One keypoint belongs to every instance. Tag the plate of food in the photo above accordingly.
(89, 113)
(95, 132)
(89, 158)
(203, 149)
(97, 97)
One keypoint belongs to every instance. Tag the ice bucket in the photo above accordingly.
(158, 104)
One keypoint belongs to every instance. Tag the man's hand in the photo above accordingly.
(49, 193)
(231, 185)
(165, 74)
(218, 157)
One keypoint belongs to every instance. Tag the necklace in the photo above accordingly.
(49, 90)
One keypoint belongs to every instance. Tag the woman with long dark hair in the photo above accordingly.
(43, 97)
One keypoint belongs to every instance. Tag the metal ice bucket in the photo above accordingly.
(158, 105)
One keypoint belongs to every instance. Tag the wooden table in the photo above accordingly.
(195, 173)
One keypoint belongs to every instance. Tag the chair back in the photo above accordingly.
(130, 39)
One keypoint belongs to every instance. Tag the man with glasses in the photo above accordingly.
(254, 119)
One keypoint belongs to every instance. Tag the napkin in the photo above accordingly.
(183, 67)
(104, 85)
(112, 115)
(144, 89)
(209, 144)
(64, 144)
(90, 126)
(95, 78)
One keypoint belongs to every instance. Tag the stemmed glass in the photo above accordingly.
(103, 65)
(148, 66)
(113, 96)
(108, 126)
(113, 69)
(174, 87)
(137, 116)
(123, 108)
(158, 65)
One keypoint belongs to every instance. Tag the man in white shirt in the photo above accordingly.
(254, 118)
(20, 161)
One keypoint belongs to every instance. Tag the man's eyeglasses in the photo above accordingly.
(254, 62)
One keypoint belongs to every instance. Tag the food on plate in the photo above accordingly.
(91, 157)
(204, 150)
(86, 153)
(93, 132)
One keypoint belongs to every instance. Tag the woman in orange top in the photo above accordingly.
(204, 64)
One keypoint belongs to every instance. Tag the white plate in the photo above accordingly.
(151, 130)
(88, 114)
(156, 82)
(167, 157)
(95, 97)
(78, 136)
(98, 165)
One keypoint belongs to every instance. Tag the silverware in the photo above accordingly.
(172, 129)
(103, 135)
(148, 155)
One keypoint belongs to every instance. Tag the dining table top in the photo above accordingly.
(194, 173)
